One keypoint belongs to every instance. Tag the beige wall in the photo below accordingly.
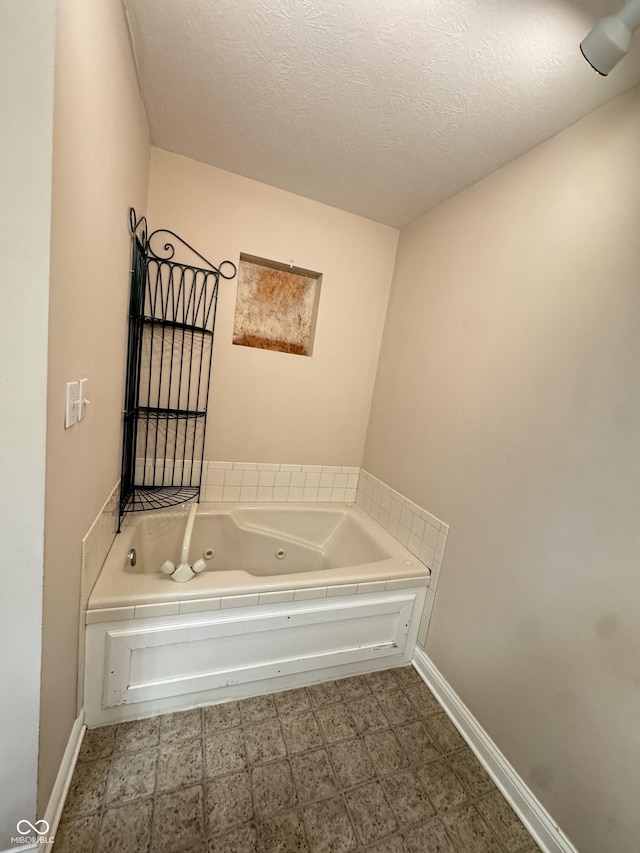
(27, 40)
(269, 406)
(507, 402)
(100, 167)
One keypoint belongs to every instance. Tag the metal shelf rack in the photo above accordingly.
(172, 312)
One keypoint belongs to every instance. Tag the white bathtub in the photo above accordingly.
(323, 545)
(295, 593)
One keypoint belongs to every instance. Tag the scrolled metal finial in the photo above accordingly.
(233, 272)
(136, 225)
(169, 251)
(139, 227)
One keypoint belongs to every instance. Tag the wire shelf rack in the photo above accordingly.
(144, 498)
(172, 313)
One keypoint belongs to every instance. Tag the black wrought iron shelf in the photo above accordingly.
(145, 498)
(172, 313)
(169, 414)
(173, 324)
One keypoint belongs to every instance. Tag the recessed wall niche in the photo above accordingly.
(276, 306)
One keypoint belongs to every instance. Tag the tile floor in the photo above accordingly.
(369, 763)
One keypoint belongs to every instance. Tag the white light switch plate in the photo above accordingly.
(71, 404)
(82, 399)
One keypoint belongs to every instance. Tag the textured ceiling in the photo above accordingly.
(381, 107)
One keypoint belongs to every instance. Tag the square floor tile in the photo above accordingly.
(131, 776)
(336, 723)
(381, 681)
(393, 844)
(423, 699)
(367, 715)
(329, 828)
(354, 687)
(273, 788)
(97, 743)
(228, 802)
(126, 829)
(284, 833)
(257, 708)
(218, 717)
(371, 813)
(445, 735)
(397, 708)
(178, 821)
(407, 676)
(264, 741)
(138, 734)
(301, 732)
(244, 839)
(443, 787)
(87, 788)
(407, 798)
(471, 772)
(352, 763)
(77, 835)
(469, 832)
(183, 725)
(225, 752)
(416, 742)
(180, 764)
(292, 701)
(314, 776)
(431, 836)
(385, 751)
(499, 815)
(325, 693)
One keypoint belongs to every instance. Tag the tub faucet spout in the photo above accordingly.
(185, 572)
(186, 542)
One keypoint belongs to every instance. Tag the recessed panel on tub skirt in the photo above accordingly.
(153, 662)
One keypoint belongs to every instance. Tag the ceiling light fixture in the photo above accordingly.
(609, 41)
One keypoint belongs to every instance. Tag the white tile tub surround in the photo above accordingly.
(160, 471)
(414, 527)
(280, 482)
(98, 540)
(95, 547)
(204, 605)
(418, 530)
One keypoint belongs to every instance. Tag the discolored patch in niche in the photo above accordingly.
(276, 306)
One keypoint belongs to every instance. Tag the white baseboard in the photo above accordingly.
(531, 812)
(63, 780)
